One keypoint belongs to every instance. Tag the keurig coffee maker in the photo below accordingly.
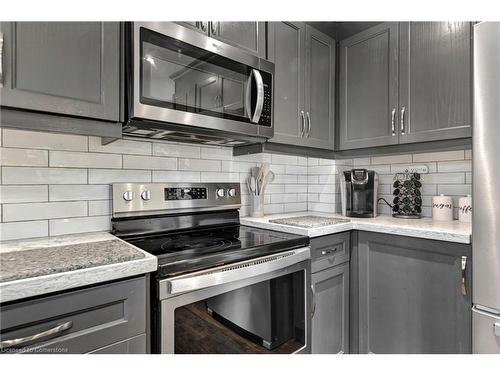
(359, 193)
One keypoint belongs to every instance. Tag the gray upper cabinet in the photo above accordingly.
(320, 89)
(330, 321)
(249, 36)
(435, 81)
(368, 88)
(68, 68)
(411, 297)
(304, 85)
(287, 40)
(405, 83)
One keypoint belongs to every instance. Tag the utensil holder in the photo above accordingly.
(257, 205)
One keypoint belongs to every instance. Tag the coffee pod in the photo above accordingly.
(442, 208)
(465, 209)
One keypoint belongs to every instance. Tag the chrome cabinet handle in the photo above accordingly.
(463, 288)
(393, 122)
(303, 124)
(24, 341)
(308, 124)
(329, 251)
(1, 59)
(213, 27)
(403, 110)
(496, 329)
(313, 307)
(203, 26)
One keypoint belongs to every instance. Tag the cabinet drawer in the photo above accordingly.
(79, 321)
(328, 251)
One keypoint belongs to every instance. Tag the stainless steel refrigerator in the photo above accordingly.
(486, 189)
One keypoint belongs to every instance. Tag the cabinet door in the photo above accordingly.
(288, 54)
(435, 81)
(410, 298)
(320, 89)
(330, 321)
(250, 36)
(368, 92)
(69, 68)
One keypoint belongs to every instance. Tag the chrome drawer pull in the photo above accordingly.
(24, 341)
(496, 329)
(329, 251)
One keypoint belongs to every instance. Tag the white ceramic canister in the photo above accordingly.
(465, 209)
(442, 208)
(257, 205)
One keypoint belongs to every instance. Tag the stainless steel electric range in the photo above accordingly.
(220, 287)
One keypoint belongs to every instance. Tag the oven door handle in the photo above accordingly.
(259, 84)
(233, 272)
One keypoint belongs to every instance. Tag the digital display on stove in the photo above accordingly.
(185, 193)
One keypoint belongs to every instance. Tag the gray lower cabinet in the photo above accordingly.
(368, 88)
(65, 68)
(404, 83)
(330, 288)
(304, 85)
(435, 81)
(109, 318)
(410, 295)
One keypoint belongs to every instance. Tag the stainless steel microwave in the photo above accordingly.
(183, 85)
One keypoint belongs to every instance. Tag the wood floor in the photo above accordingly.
(196, 332)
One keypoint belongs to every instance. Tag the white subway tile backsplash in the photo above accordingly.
(46, 210)
(79, 192)
(176, 176)
(391, 159)
(176, 150)
(439, 156)
(79, 225)
(24, 229)
(455, 166)
(23, 157)
(222, 153)
(37, 176)
(43, 140)
(149, 162)
(23, 193)
(468, 154)
(52, 175)
(84, 160)
(199, 165)
(120, 146)
(109, 176)
(99, 208)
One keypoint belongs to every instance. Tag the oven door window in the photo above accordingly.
(179, 76)
(267, 317)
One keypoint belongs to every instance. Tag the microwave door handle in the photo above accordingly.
(248, 97)
(260, 95)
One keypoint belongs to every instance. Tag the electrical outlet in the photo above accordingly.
(413, 169)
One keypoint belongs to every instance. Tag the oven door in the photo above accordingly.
(256, 306)
(184, 77)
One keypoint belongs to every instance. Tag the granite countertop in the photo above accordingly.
(38, 266)
(451, 231)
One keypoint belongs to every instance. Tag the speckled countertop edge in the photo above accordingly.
(39, 285)
(420, 228)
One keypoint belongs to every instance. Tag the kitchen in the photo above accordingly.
(234, 187)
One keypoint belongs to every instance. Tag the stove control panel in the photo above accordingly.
(146, 199)
(177, 193)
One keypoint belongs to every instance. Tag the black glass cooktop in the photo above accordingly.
(192, 250)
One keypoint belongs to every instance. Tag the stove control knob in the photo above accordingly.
(231, 192)
(221, 193)
(128, 195)
(146, 195)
